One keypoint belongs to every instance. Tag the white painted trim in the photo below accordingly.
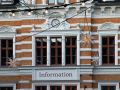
(23, 34)
(33, 51)
(48, 84)
(78, 49)
(85, 57)
(9, 84)
(23, 42)
(105, 33)
(25, 89)
(24, 50)
(24, 58)
(108, 84)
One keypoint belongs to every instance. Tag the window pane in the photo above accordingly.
(40, 88)
(111, 41)
(44, 41)
(41, 50)
(52, 51)
(60, 1)
(112, 88)
(111, 51)
(53, 41)
(59, 40)
(74, 41)
(38, 41)
(104, 87)
(111, 59)
(52, 60)
(10, 53)
(44, 60)
(104, 51)
(10, 43)
(67, 41)
(44, 51)
(104, 59)
(59, 51)
(67, 51)
(67, 59)
(51, 1)
(3, 43)
(108, 50)
(104, 40)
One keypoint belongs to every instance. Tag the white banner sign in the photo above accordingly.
(56, 74)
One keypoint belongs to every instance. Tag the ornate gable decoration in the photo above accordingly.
(7, 29)
(55, 15)
(108, 26)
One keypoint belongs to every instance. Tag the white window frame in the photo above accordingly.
(9, 85)
(100, 46)
(77, 84)
(108, 84)
(57, 33)
(108, 29)
(10, 34)
(56, 2)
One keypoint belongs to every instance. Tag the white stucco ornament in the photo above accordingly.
(108, 26)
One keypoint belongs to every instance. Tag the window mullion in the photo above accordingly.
(0, 52)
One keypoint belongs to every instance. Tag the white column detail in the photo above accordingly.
(43, 2)
(63, 50)
(33, 1)
(48, 51)
(48, 87)
(67, 1)
(55, 2)
(78, 49)
(78, 86)
(116, 49)
(78, 0)
(14, 53)
(33, 51)
(100, 50)
(63, 87)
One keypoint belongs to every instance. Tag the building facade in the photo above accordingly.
(59, 45)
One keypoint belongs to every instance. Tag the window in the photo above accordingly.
(56, 50)
(55, 1)
(55, 88)
(54, 46)
(41, 51)
(70, 88)
(108, 50)
(70, 50)
(40, 88)
(108, 87)
(6, 1)
(6, 88)
(60, 1)
(6, 49)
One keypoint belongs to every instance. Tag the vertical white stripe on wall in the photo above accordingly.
(33, 1)
(116, 49)
(63, 50)
(48, 51)
(14, 43)
(78, 49)
(33, 51)
(78, 86)
(67, 1)
(63, 86)
(100, 50)
(43, 2)
(48, 87)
